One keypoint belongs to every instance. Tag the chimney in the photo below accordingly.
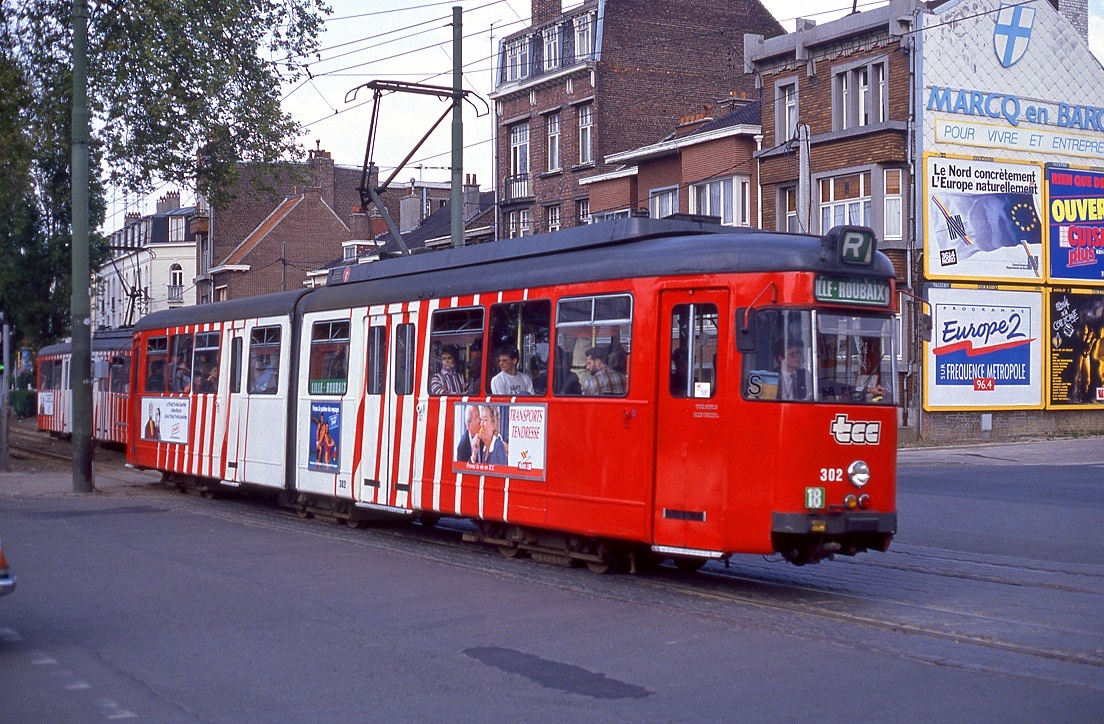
(410, 212)
(805, 24)
(736, 99)
(690, 123)
(322, 173)
(471, 196)
(1076, 13)
(545, 11)
(358, 223)
(168, 202)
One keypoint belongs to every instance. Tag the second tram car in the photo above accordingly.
(110, 386)
(615, 392)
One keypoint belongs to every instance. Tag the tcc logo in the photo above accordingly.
(859, 432)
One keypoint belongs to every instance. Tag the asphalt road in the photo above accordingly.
(144, 603)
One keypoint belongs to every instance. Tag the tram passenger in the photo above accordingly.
(793, 381)
(603, 380)
(510, 381)
(492, 448)
(156, 381)
(265, 383)
(474, 367)
(447, 381)
(679, 372)
(567, 382)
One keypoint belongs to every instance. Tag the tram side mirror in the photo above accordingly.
(746, 319)
(925, 324)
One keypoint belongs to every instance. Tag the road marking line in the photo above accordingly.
(7, 634)
(112, 710)
(39, 658)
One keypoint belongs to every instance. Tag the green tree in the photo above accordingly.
(179, 91)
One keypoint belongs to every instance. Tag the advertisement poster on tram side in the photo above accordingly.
(46, 403)
(500, 440)
(1076, 348)
(325, 437)
(1075, 200)
(166, 419)
(983, 219)
(986, 351)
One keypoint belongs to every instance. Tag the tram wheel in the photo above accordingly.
(353, 523)
(302, 512)
(509, 551)
(689, 565)
(208, 494)
(600, 567)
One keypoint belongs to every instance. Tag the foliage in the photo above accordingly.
(23, 403)
(183, 90)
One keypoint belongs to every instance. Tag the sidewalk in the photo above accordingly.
(60, 482)
(1056, 452)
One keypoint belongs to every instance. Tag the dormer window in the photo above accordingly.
(176, 228)
(552, 48)
(517, 59)
(584, 29)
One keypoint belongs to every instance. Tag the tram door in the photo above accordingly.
(391, 370)
(691, 443)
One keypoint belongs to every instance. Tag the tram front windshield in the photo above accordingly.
(821, 356)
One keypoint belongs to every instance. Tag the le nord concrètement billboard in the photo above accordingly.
(1076, 348)
(986, 351)
(1075, 200)
(982, 220)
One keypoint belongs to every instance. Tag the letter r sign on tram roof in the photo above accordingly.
(856, 247)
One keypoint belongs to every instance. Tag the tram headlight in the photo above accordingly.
(858, 473)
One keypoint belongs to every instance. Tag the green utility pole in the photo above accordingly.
(457, 195)
(80, 372)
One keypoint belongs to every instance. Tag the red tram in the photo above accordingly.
(110, 386)
(627, 390)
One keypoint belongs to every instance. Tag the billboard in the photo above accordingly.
(986, 349)
(1075, 200)
(982, 219)
(500, 440)
(1076, 328)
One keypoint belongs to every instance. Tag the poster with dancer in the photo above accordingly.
(982, 220)
(1076, 348)
(324, 440)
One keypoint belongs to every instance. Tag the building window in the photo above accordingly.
(586, 136)
(552, 48)
(519, 161)
(663, 202)
(176, 228)
(552, 216)
(790, 201)
(176, 275)
(517, 59)
(582, 211)
(786, 103)
(583, 35)
(554, 142)
(221, 294)
(727, 198)
(845, 200)
(894, 227)
(860, 96)
(517, 223)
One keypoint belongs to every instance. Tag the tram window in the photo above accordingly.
(405, 346)
(119, 374)
(377, 361)
(205, 366)
(180, 363)
(235, 364)
(693, 370)
(264, 361)
(460, 333)
(855, 358)
(157, 360)
(329, 358)
(779, 368)
(47, 373)
(517, 362)
(593, 342)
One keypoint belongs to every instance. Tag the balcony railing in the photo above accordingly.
(516, 187)
(176, 293)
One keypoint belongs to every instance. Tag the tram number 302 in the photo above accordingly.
(831, 475)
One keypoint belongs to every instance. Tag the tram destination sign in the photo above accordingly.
(852, 290)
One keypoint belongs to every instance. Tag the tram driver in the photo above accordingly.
(793, 378)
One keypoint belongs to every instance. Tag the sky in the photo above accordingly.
(411, 40)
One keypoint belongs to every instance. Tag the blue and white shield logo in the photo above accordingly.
(1012, 33)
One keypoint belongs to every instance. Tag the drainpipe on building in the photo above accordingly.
(804, 180)
(914, 136)
(759, 182)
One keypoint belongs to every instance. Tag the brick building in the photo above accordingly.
(601, 78)
(705, 166)
(302, 233)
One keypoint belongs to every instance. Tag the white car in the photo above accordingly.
(7, 578)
